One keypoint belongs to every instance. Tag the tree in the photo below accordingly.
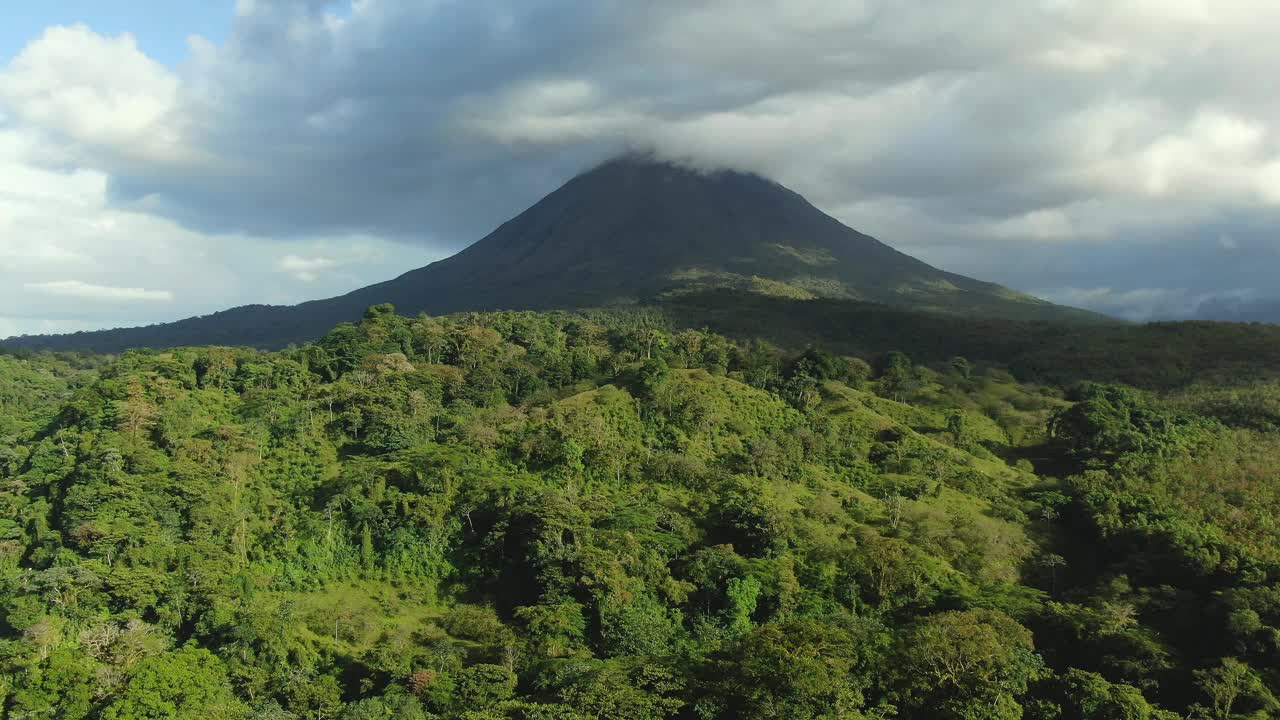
(615, 689)
(744, 595)
(62, 686)
(818, 364)
(554, 630)
(632, 624)
(967, 665)
(1107, 421)
(483, 686)
(1089, 696)
(795, 670)
(958, 426)
(136, 413)
(652, 377)
(1052, 562)
(187, 684)
(801, 391)
(431, 339)
(391, 705)
(856, 371)
(894, 505)
(897, 377)
(366, 548)
(1230, 685)
(749, 519)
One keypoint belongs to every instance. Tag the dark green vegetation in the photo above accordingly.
(568, 517)
(632, 230)
(1156, 355)
(32, 392)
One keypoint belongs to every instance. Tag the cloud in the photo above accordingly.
(1048, 145)
(102, 94)
(77, 289)
(70, 261)
(11, 326)
(453, 115)
(1139, 304)
(305, 269)
(1244, 306)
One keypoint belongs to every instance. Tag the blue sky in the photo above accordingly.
(161, 26)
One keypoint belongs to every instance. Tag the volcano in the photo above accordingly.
(633, 230)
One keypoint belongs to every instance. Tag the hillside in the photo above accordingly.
(631, 230)
(1151, 355)
(521, 516)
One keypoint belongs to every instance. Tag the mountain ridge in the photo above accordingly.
(630, 230)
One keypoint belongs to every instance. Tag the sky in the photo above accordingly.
(160, 160)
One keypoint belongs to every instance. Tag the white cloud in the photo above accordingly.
(88, 291)
(1134, 304)
(102, 93)
(11, 326)
(305, 269)
(1084, 57)
(71, 261)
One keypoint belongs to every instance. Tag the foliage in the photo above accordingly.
(526, 515)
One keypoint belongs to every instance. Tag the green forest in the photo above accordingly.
(603, 516)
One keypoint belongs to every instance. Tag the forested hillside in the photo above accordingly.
(555, 516)
(1158, 355)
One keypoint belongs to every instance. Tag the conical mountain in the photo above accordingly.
(631, 230)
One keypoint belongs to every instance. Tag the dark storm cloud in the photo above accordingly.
(319, 128)
(434, 120)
